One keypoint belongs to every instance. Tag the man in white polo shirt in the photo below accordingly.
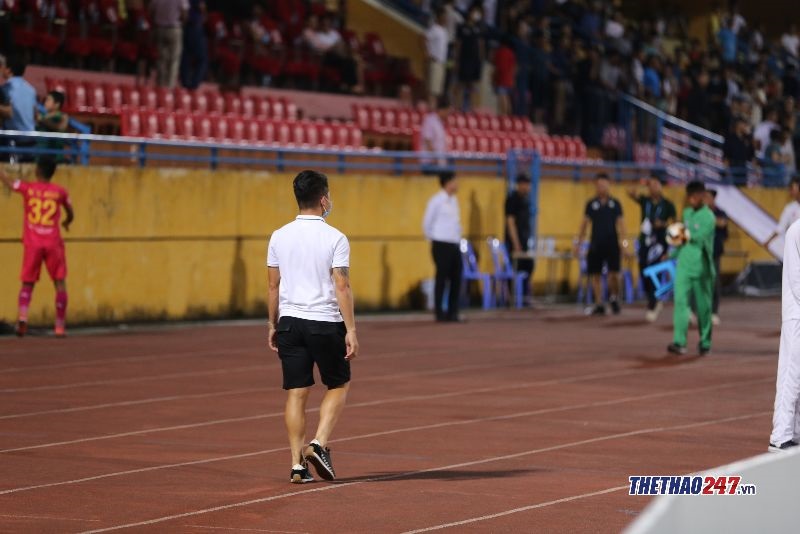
(442, 226)
(311, 320)
(786, 415)
(790, 213)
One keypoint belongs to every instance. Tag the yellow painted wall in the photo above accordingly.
(164, 243)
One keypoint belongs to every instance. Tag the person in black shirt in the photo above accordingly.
(518, 228)
(738, 151)
(657, 214)
(469, 55)
(604, 213)
(720, 236)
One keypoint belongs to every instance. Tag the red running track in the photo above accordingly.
(513, 422)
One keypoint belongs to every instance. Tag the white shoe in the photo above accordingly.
(715, 320)
(651, 316)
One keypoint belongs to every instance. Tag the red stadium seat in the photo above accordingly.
(167, 125)
(354, 134)
(248, 107)
(114, 98)
(77, 100)
(361, 115)
(471, 144)
(252, 131)
(283, 134)
(312, 135)
(495, 145)
(200, 102)
(216, 102)
(298, 133)
(95, 98)
(403, 122)
(149, 123)
(131, 96)
(131, 124)
(236, 130)
(233, 104)
(263, 109)
(291, 110)
(268, 132)
(326, 135)
(278, 110)
(376, 119)
(219, 128)
(149, 98)
(183, 100)
(165, 99)
(184, 125)
(483, 144)
(342, 136)
(459, 144)
(203, 128)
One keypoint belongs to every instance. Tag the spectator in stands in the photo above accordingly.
(540, 79)
(727, 41)
(470, 52)
(53, 120)
(436, 47)
(790, 41)
(698, 101)
(523, 52)
(774, 162)
(168, 17)
(505, 66)
(791, 83)
(761, 135)
(20, 97)
(433, 137)
(518, 230)
(561, 74)
(327, 41)
(194, 61)
(442, 227)
(738, 151)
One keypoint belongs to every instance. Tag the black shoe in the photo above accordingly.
(599, 310)
(301, 476)
(704, 350)
(782, 447)
(674, 348)
(615, 307)
(320, 458)
(22, 328)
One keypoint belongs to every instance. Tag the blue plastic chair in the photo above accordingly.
(663, 277)
(471, 272)
(504, 272)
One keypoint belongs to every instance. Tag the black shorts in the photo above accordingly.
(302, 343)
(603, 254)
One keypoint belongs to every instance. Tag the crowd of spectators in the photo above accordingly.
(569, 61)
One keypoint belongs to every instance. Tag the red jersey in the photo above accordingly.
(42, 203)
(504, 64)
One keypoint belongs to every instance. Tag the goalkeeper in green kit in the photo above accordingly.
(695, 272)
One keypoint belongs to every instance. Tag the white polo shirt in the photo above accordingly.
(305, 251)
(788, 216)
(442, 221)
(790, 301)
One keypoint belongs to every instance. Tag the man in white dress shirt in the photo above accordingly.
(442, 227)
(311, 320)
(790, 213)
(786, 417)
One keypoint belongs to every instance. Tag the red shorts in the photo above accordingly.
(53, 257)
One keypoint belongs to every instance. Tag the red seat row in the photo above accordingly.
(475, 143)
(402, 121)
(111, 98)
(220, 128)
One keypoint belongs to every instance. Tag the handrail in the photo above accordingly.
(666, 117)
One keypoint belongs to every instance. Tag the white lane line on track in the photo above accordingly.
(386, 433)
(49, 518)
(133, 380)
(516, 510)
(332, 487)
(248, 529)
(129, 359)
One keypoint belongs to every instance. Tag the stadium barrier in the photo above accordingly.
(771, 509)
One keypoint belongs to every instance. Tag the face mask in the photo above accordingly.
(326, 212)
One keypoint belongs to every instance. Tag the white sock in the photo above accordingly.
(297, 467)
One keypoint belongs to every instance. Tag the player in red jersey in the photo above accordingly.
(41, 239)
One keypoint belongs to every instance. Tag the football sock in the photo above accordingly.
(61, 307)
(24, 302)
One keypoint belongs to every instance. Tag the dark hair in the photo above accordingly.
(46, 167)
(523, 178)
(58, 97)
(442, 102)
(775, 134)
(309, 187)
(795, 181)
(713, 192)
(446, 177)
(695, 186)
(17, 67)
(601, 176)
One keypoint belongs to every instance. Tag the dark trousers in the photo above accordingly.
(447, 258)
(194, 61)
(649, 287)
(717, 287)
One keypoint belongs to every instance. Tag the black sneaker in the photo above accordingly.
(674, 348)
(615, 307)
(599, 310)
(782, 447)
(301, 476)
(320, 458)
(704, 350)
